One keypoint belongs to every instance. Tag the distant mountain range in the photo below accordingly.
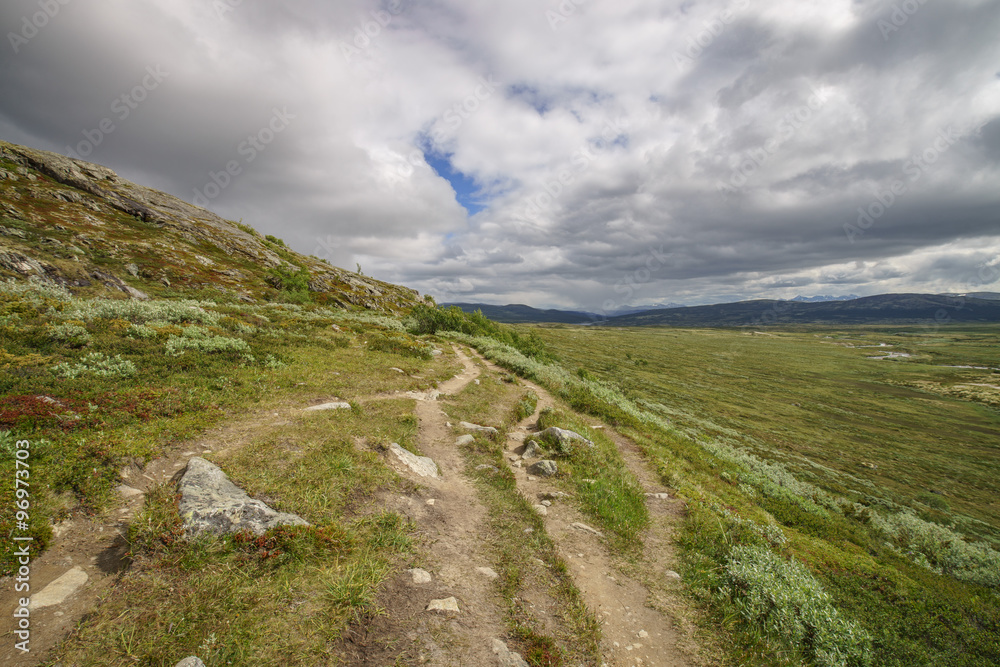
(882, 309)
(975, 307)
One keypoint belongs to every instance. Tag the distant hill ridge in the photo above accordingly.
(80, 225)
(978, 307)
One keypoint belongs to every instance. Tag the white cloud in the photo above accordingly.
(571, 215)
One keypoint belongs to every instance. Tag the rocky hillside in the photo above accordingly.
(80, 225)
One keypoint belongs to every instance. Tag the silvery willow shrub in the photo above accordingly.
(196, 338)
(97, 364)
(791, 607)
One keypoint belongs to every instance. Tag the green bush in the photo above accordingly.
(789, 605)
(401, 345)
(426, 319)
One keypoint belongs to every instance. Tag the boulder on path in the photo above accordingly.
(211, 503)
(543, 468)
(563, 438)
(422, 465)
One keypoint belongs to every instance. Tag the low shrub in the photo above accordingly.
(97, 364)
(196, 338)
(789, 605)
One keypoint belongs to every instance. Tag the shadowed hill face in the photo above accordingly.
(78, 224)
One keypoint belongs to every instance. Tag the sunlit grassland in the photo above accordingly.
(825, 410)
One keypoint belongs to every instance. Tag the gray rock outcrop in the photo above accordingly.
(211, 503)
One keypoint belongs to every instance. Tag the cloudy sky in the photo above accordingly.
(583, 154)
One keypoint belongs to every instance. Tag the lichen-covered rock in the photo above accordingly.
(211, 503)
(562, 438)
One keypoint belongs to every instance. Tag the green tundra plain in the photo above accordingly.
(882, 474)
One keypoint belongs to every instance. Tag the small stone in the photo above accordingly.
(532, 451)
(339, 405)
(542, 510)
(465, 440)
(60, 589)
(430, 501)
(670, 574)
(489, 430)
(488, 572)
(553, 495)
(642, 634)
(516, 464)
(476, 382)
(544, 468)
(484, 466)
(190, 661)
(398, 370)
(547, 503)
(419, 575)
(585, 528)
(447, 604)
(128, 492)
(506, 657)
(422, 465)
(532, 479)
(658, 496)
